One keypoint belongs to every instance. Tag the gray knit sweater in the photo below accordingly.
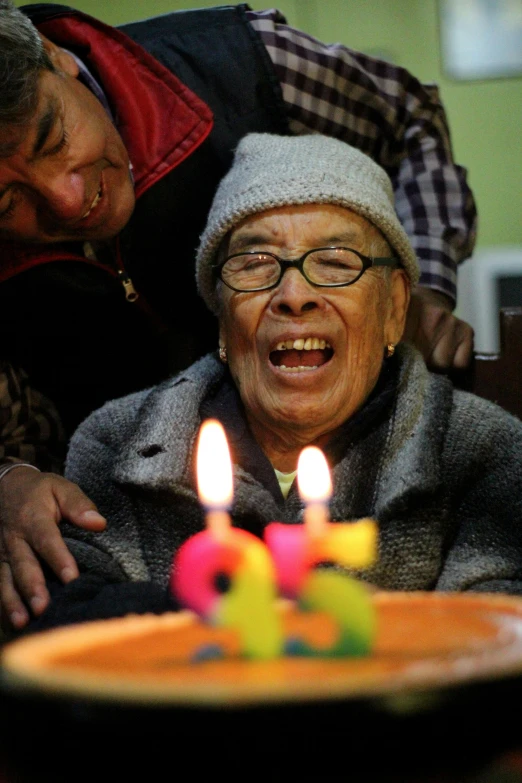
(442, 475)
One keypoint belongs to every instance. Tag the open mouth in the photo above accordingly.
(301, 355)
(94, 203)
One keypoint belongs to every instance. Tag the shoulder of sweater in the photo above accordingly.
(469, 410)
(115, 416)
(464, 408)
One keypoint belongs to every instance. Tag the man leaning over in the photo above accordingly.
(112, 142)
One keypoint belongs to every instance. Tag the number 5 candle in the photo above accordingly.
(298, 549)
(223, 551)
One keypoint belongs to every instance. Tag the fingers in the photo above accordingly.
(32, 586)
(22, 582)
(76, 507)
(452, 345)
(47, 542)
(443, 339)
(31, 506)
(14, 613)
(464, 351)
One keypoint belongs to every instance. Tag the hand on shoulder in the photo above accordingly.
(32, 504)
(444, 340)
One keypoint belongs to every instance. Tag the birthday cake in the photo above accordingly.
(422, 640)
(285, 629)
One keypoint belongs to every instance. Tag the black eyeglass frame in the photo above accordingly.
(298, 263)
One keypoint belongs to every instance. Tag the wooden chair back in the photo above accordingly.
(498, 377)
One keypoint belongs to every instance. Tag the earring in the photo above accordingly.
(390, 350)
(223, 354)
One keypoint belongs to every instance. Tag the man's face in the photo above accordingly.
(68, 176)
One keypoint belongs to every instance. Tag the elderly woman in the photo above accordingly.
(309, 272)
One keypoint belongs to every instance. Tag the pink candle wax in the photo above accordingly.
(294, 551)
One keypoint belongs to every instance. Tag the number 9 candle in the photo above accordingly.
(221, 550)
(297, 549)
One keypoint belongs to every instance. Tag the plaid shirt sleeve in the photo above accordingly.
(388, 114)
(30, 428)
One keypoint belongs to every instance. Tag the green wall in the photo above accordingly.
(485, 117)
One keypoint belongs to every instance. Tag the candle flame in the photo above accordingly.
(214, 468)
(313, 476)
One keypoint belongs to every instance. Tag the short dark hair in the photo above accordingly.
(22, 58)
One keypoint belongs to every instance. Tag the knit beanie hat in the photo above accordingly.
(274, 171)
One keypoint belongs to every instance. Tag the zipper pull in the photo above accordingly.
(128, 286)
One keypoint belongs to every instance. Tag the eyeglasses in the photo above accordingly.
(327, 267)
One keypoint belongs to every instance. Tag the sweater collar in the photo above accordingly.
(226, 406)
(160, 454)
(410, 464)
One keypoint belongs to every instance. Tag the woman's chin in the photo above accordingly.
(303, 420)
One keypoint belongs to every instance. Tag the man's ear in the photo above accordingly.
(400, 291)
(62, 60)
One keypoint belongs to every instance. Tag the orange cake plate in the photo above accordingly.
(424, 641)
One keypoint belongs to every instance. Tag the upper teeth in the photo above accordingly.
(310, 344)
(95, 201)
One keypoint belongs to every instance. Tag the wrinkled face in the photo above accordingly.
(306, 358)
(66, 175)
